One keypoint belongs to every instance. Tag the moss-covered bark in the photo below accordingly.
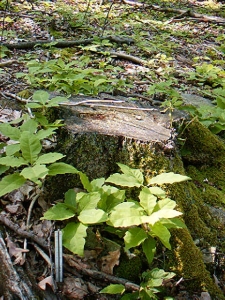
(202, 157)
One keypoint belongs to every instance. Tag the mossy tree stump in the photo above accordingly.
(95, 138)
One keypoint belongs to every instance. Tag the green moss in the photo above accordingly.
(130, 269)
(188, 263)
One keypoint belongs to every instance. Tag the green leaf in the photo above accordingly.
(88, 201)
(12, 161)
(113, 289)
(30, 146)
(12, 149)
(160, 214)
(147, 200)
(157, 191)
(134, 237)
(30, 126)
(70, 198)
(61, 168)
(10, 131)
(96, 184)
(33, 105)
(149, 248)
(162, 233)
(173, 223)
(44, 133)
(41, 97)
(49, 158)
(74, 235)
(123, 180)
(10, 183)
(136, 173)
(85, 181)
(168, 178)
(126, 214)
(93, 216)
(58, 212)
(3, 169)
(166, 203)
(54, 102)
(34, 173)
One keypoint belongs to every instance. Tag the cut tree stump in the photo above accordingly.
(97, 135)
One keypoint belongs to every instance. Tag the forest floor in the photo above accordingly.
(153, 51)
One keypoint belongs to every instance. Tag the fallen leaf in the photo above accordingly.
(48, 280)
(16, 252)
(74, 288)
(109, 261)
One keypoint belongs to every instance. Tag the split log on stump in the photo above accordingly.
(96, 137)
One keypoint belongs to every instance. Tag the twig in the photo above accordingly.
(43, 254)
(83, 102)
(7, 63)
(20, 99)
(7, 222)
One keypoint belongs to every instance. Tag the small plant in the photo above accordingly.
(67, 77)
(24, 158)
(140, 221)
(208, 74)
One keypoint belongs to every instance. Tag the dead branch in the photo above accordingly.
(65, 44)
(180, 12)
(26, 234)
(83, 269)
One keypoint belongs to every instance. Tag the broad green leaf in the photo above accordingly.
(30, 146)
(88, 201)
(97, 183)
(74, 235)
(160, 214)
(126, 214)
(136, 173)
(108, 202)
(173, 223)
(157, 191)
(93, 216)
(49, 158)
(3, 169)
(34, 173)
(41, 97)
(44, 133)
(58, 212)
(56, 100)
(134, 237)
(147, 294)
(12, 149)
(12, 161)
(113, 289)
(166, 203)
(149, 248)
(99, 81)
(168, 178)
(61, 168)
(70, 198)
(130, 296)
(123, 180)
(85, 181)
(162, 233)
(10, 131)
(10, 183)
(147, 200)
(30, 126)
(33, 105)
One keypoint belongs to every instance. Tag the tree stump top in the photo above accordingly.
(116, 118)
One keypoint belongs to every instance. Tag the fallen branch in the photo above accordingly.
(65, 44)
(26, 234)
(83, 269)
(181, 12)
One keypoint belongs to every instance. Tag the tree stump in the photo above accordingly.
(97, 135)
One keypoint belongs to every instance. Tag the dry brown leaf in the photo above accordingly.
(109, 261)
(74, 288)
(48, 280)
(43, 229)
(16, 252)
